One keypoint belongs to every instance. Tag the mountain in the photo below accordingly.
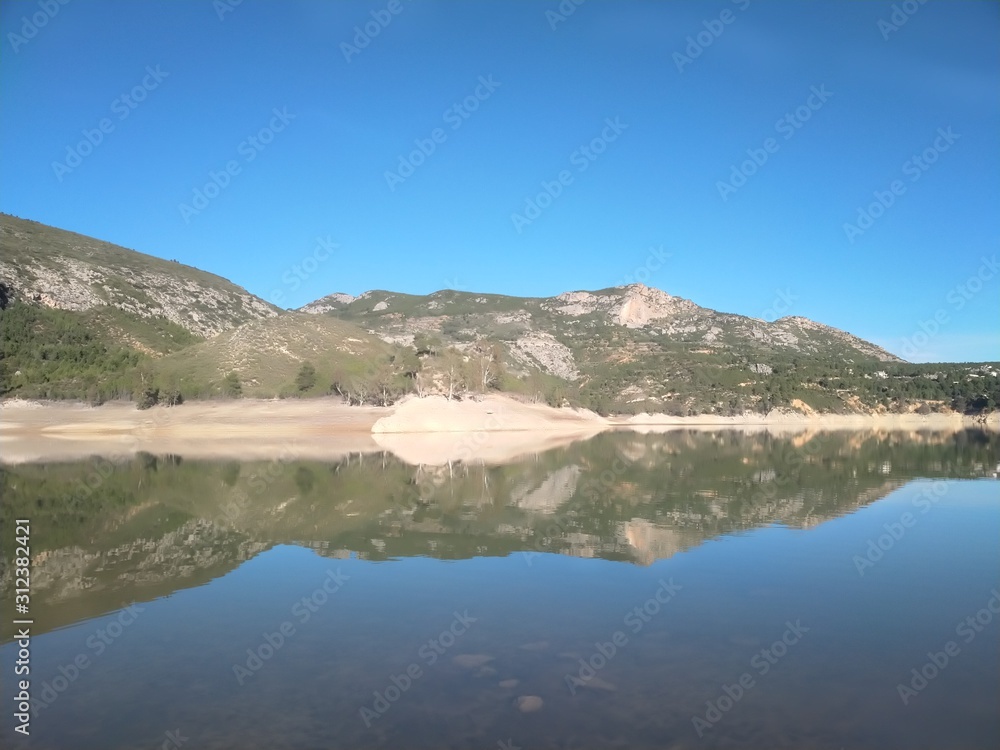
(81, 318)
(69, 271)
(613, 348)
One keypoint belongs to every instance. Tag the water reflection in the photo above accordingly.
(644, 591)
(139, 528)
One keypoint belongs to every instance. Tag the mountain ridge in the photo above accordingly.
(85, 318)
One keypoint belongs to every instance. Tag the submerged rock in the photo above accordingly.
(528, 703)
(471, 661)
(596, 683)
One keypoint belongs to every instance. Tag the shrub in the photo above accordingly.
(149, 398)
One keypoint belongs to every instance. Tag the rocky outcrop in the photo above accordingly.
(72, 272)
(325, 304)
(546, 352)
(642, 305)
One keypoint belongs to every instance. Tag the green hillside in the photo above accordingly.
(86, 319)
(635, 349)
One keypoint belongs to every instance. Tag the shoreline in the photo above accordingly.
(430, 430)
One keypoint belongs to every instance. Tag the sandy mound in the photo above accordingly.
(490, 414)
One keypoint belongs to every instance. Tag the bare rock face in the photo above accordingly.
(632, 306)
(330, 302)
(545, 351)
(578, 303)
(71, 272)
(642, 305)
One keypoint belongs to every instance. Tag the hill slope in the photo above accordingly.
(626, 348)
(81, 318)
(69, 271)
(267, 355)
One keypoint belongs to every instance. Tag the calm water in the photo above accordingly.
(664, 591)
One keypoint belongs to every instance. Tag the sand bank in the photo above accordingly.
(431, 430)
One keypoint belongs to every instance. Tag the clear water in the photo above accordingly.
(179, 584)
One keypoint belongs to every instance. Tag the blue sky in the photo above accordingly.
(715, 150)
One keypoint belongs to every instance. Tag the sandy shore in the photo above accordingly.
(429, 430)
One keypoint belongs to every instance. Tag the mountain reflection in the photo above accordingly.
(137, 528)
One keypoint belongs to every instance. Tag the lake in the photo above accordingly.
(682, 590)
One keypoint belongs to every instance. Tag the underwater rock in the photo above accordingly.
(528, 703)
(471, 661)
